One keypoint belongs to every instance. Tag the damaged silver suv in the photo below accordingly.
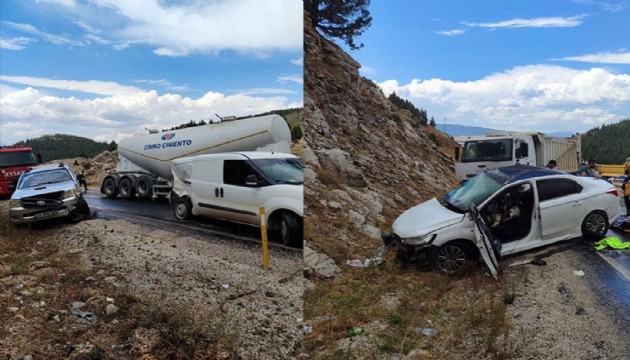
(47, 192)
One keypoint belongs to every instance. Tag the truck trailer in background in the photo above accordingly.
(496, 149)
(144, 161)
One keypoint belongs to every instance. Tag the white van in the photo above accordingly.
(233, 186)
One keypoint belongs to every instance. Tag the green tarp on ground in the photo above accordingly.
(612, 242)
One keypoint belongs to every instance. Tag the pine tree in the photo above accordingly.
(432, 122)
(343, 19)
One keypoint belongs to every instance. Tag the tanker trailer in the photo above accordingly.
(144, 161)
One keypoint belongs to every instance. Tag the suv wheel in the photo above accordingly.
(80, 212)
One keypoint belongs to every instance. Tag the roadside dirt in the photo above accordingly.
(152, 293)
(556, 314)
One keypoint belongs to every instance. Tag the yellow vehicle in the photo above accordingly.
(607, 171)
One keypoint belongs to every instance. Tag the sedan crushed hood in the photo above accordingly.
(425, 218)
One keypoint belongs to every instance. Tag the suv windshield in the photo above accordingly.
(474, 191)
(45, 177)
(17, 158)
(282, 171)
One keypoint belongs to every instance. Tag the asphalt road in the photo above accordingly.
(159, 213)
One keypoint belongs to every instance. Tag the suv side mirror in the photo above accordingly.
(251, 180)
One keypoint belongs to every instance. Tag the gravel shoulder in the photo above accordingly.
(557, 314)
(205, 287)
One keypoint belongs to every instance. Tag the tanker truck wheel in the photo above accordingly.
(181, 207)
(291, 230)
(126, 188)
(144, 187)
(109, 187)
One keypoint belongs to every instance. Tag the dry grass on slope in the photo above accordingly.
(41, 280)
(394, 304)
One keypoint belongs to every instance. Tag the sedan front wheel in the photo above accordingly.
(453, 257)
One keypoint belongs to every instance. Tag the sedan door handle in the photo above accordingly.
(576, 203)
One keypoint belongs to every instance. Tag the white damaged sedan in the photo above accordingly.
(503, 211)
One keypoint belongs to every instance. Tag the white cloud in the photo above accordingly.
(603, 58)
(209, 26)
(182, 28)
(265, 91)
(541, 22)
(66, 3)
(163, 83)
(454, 32)
(299, 62)
(366, 70)
(17, 43)
(51, 38)
(537, 97)
(91, 87)
(295, 78)
(114, 113)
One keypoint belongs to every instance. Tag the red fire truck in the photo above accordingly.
(14, 161)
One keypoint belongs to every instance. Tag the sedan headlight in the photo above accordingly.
(419, 240)
(14, 203)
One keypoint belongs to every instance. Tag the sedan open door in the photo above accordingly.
(489, 247)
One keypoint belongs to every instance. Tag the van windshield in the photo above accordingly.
(282, 171)
(474, 191)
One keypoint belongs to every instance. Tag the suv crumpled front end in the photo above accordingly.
(58, 200)
(47, 192)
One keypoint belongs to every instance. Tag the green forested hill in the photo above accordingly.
(60, 146)
(608, 144)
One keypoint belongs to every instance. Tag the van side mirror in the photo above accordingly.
(457, 153)
(251, 180)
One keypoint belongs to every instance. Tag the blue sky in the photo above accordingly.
(557, 65)
(106, 69)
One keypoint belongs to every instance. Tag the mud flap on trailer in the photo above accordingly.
(489, 248)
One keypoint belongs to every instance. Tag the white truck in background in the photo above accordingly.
(497, 149)
(144, 161)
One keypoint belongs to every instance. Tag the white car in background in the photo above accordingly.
(503, 211)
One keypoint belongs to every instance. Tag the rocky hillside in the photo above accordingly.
(367, 160)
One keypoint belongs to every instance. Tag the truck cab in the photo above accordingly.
(480, 153)
(14, 161)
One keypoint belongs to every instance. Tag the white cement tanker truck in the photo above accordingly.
(144, 161)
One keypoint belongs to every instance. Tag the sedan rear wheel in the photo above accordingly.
(595, 225)
(453, 257)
